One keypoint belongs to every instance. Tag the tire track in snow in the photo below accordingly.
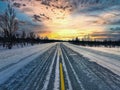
(24, 79)
(104, 61)
(22, 58)
(40, 78)
(76, 76)
(57, 76)
(111, 80)
(39, 70)
(49, 73)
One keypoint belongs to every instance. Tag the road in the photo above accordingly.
(61, 68)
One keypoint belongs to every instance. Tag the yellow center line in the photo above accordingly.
(62, 78)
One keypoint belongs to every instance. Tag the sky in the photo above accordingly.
(67, 19)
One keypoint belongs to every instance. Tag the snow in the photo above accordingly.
(12, 60)
(38, 70)
(76, 76)
(107, 60)
(66, 72)
(15, 55)
(115, 50)
(57, 80)
(49, 73)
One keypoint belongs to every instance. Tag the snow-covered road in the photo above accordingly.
(106, 59)
(58, 67)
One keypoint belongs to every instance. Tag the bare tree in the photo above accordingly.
(32, 37)
(9, 24)
(23, 35)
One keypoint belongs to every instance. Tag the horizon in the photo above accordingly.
(59, 44)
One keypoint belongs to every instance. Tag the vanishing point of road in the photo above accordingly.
(61, 68)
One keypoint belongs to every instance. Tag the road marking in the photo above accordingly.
(76, 76)
(62, 78)
(66, 73)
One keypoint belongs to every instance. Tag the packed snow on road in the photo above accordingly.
(38, 67)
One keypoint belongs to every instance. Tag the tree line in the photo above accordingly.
(105, 43)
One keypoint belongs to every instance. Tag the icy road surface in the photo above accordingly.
(56, 67)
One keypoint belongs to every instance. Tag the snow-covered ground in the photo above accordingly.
(108, 58)
(115, 50)
(14, 59)
(14, 55)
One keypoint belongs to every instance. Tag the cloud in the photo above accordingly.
(116, 22)
(110, 34)
(27, 9)
(85, 18)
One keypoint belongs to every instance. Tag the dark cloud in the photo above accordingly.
(110, 34)
(115, 22)
(30, 27)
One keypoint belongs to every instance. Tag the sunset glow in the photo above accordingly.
(63, 20)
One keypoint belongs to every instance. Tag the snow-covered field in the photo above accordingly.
(107, 57)
(115, 50)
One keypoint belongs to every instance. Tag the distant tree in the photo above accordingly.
(77, 39)
(9, 24)
(23, 35)
(46, 38)
(32, 37)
